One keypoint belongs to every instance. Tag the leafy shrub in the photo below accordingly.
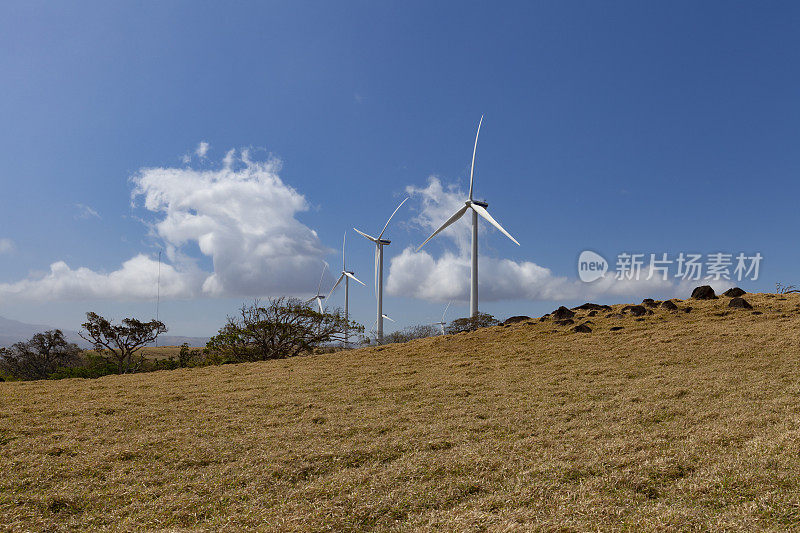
(482, 320)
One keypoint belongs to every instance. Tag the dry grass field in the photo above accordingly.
(678, 422)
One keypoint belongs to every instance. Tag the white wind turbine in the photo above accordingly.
(442, 323)
(346, 275)
(380, 242)
(478, 208)
(319, 297)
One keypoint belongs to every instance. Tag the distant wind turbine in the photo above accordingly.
(478, 208)
(380, 242)
(346, 275)
(319, 297)
(442, 323)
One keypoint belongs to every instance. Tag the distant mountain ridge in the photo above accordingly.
(12, 331)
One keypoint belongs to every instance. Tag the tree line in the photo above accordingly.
(280, 328)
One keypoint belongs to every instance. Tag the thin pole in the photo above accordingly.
(380, 293)
(473, 293)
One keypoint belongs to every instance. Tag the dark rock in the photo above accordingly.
(687, 309)
(582, 328)
(515, 319)
(636, 310)
(545, 317)
(734, 292)
(617, 328)
(562, 313)
(592, 313)
(565, 322)
(739, 302)
(593, 307)
(649, 302)
(615, 315)
(757, 313)
(639, 319)
(704, 292)
(669, 306)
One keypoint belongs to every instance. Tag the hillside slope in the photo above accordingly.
(677, 421)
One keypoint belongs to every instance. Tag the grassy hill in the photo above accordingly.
(678, 421)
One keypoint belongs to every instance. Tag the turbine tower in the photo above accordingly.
(380, 242)
(478, 208)
(346, 275)
(319, 297)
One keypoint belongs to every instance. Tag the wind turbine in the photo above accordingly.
(478, 208)
(442, 323)
(319, 297)
(346, 275)
(380, 242)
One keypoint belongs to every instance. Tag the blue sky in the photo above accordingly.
(614, 126)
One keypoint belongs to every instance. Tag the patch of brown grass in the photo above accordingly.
(676, 422)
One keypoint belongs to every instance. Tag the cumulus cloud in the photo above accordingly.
(241, 216)
(6, 246)
(136, 279)
(421, 275)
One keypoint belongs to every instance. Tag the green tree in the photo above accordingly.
(121, 341)
(286, 327)
(39, 357)
(482, 320)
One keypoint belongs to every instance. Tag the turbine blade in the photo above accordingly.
(390, 218)
(336, 285)
(311, 299)
(319, 303)
(343, 241)
(388, 318)
(445, 309)
(474, 149)
(370, 237)
(485, 214)
(322, 276)
(349, 275)
(450, 220)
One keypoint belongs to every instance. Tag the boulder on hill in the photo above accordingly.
(740, 302)
(582, 328)
(704, 292)
(636, 310)
(734, 292)
(516, 319)
(592, 307)
(649, 302)
(592, 313)
(562, 313)
(669, 305)
(565, 322)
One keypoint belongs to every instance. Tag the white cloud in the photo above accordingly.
(86, 212)
(241, 215)
(201, 152)
(6, 246)
(135, 280)
(420, 275)
(202, 149)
